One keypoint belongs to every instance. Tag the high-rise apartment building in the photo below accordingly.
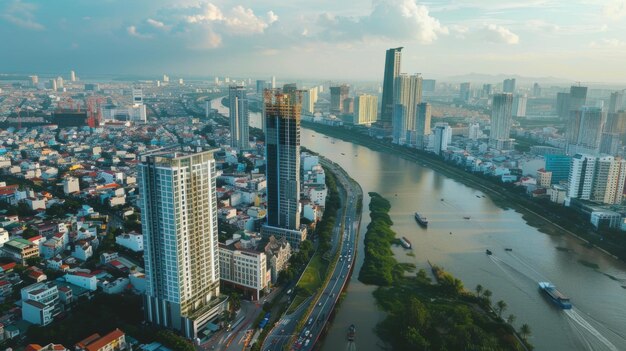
(309, 98)
(519, 105)
(338, 95)
(487, 90)
(72, 76)
(582, 170)
(261, 85)
(559, 165)
(365, 109)
(536, 90)
(584, 130)
(608, 180)
(577, 97)
(393, 61)
(422, 124)
(473, 131)
(501, 118)
(442, 135)
(616, 102)
(464, 92)
(239, 117)
(179, 224)
(508, 86)
(562, 106)
(407, 94)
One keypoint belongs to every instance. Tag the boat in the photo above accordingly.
(508, 249)
(351, 332)
(441, 199)
(405, 243)
(421, 220)
(488, 252)
(467, 217)
(556, 296)
(343, 153)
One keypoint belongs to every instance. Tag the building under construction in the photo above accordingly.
(69, 118)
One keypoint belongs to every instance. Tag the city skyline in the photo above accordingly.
(253, 38)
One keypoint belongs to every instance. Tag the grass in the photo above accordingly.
(310, 281)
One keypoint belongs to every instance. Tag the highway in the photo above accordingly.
(325, 304)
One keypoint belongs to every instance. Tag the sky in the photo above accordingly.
(577, 40)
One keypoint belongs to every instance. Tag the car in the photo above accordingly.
(306, 333)
(349, 265)
(320, 303)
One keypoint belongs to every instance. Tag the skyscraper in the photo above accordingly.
(508, 86)
(584, 130)
(72, 76)
(337, 96)
(582, 169)
(309, 98)
(519, 105)
(179, 225)
(365, 109)
(536, 90)
(562, 106)
(608, 180)
(239, 117)
(422, 123)
(616, 102)
(282, 145)
(393, 59)
(442, 136)
(407, 94)
(487, 90)
(261, 85)
(501, 118)
(577, 97)
(464, 92)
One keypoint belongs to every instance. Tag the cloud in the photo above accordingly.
(608, 44)
(156, 24)
(21, 14)
(498, 34)
(132, 31)
(394, 19)
(615, 9)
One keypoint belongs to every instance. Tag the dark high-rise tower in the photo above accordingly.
(392, 70)
(508, 86)
(338, 95)
(282, 140)
(577, 97)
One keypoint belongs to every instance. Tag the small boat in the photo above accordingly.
(405, 242)
(441, 199)
(478, 196)
(351, 332)
(421, 220)
(556, 296)
(466, 217)
(343, 154)
(488, 252)
(508, 249)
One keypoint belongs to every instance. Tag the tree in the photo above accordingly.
(524, 330)
(479, 290)
(34, 261)
(511, 319)
(487, 295)
(501, 306)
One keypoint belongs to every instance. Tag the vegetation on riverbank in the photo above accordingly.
(423, 315)
(547, 217)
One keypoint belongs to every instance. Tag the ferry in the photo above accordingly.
(556, 296)
(351, 332)
(421, 220)
(405, 242)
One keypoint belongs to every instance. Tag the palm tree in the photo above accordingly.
(524, 330)
(511, 319)
(501, 306)
(479, 289)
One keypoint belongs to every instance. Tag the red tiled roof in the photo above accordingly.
(105, 340)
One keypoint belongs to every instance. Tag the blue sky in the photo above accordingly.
(581, 40)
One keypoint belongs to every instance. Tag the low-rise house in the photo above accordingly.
(20, 250)
(49, 347)
(278, 252)
(132, 241)
(40, 303)
(84, 280)
(113, 341)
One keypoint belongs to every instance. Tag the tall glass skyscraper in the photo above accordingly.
(239, 118)
(179, 224)
(282, 143)
(501, 118)
(393, 59)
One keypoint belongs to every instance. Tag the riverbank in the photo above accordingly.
(548, 218)
(425, 315)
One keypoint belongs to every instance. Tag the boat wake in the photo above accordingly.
(581, 326)
(351, 346)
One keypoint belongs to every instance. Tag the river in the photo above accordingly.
(598, 319)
